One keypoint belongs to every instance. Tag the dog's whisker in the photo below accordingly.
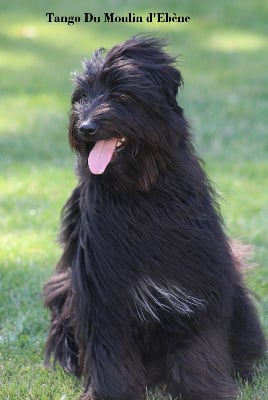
(135, 151)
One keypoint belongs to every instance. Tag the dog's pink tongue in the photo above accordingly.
(101, 155)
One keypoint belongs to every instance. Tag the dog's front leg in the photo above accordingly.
(201, 369)
(114, 370)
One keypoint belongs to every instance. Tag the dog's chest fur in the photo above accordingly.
(130, 244)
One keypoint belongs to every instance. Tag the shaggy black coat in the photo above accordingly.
(146, 292)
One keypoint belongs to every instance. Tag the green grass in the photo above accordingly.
(223, 59)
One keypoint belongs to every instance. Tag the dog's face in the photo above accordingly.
(125, 122)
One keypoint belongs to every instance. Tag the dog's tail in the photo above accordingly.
(242, 255)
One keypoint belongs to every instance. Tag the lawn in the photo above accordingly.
(223, 59)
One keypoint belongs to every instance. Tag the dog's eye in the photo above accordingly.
(120, 96)
(83, 99)
(79, 96)
(83, 96)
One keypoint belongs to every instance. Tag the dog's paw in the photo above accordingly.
(86, 396)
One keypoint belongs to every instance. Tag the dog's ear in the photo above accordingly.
(169, 80)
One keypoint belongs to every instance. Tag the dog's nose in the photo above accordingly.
(88, 127)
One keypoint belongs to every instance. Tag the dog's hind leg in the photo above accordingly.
(61, 342)
(247, 339)
(58, 293)
(201, 370)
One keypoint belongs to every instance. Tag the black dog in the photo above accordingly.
(146, 292)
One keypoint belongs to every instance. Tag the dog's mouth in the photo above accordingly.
(103, 152)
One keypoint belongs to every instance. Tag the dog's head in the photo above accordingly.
(125, 123)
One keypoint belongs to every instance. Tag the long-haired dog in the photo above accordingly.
(146, 292)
